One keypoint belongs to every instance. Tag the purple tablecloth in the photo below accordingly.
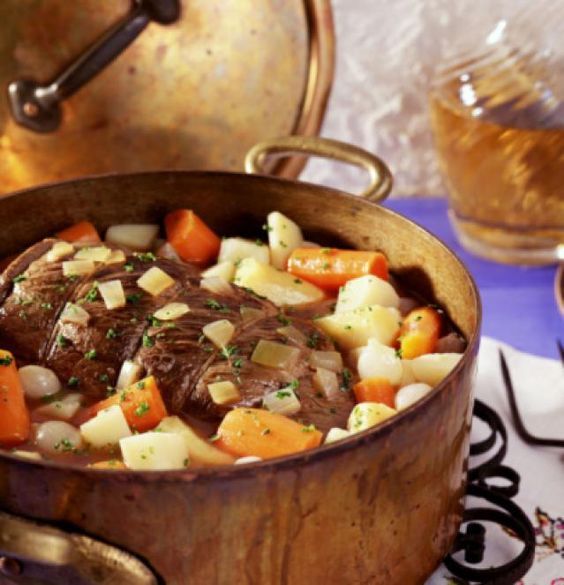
(518, 303)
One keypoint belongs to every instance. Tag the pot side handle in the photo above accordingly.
(34, 553)
(380, 176)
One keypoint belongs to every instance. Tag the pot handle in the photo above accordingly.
(36, 553)
(380, 183)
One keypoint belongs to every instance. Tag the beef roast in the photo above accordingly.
(33, 293)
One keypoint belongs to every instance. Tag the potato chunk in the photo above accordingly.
(279, 287)
(432, 368)
(284, 236)
(237, 249)
(365, 291)
(352, 329)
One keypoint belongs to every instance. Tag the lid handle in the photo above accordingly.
(37, 107)
(380, 183)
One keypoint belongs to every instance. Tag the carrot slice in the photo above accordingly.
(14, 416)
(80, 233)
(192, 239)
(330, 268)
(264, 434)
(141, 403)
(375, 390)
(419, 332)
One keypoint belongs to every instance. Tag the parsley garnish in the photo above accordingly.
(148, 341)
(128, 267)
(217, 306)
(91, 354)
(298, 281)
(238, 363)
(46, 306)
(313, 340)
(64, 445)
(19, 278)
(111, 333)
(6, 360)
(134, 298)
(347, 379)
(142, 409)
(145, 256)
(62, 341)
(265, 432)
(154, 321)
(141, 385)
(399, 353)
(266, 228)
(73, 381)
(283, 319)
(283, 394)
(104, 378)
(228, 351)
(295, 384)
(308, 429)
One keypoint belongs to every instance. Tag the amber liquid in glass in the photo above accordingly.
(505, 181)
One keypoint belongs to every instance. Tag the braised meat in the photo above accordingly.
(34, 292)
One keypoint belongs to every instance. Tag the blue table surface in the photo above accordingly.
(518, 302)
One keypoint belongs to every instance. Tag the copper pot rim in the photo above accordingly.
(304, 458)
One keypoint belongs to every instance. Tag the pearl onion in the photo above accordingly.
(410, 394)
(38, 382)
(55, 437)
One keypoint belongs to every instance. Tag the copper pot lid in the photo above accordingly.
(196, 93)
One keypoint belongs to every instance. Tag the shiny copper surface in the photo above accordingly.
(193, 95)
(381, 508)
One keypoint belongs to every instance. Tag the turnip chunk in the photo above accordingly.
(106, 428)
(282, 401)
(219, 332)
(335, 434)
(94, 253)
(237, 249)
(281, 288)
(368, 414)
(225, 270)
(432, 368)
(380, 361)
(410, 394)
(155, 281)
(74, 314)
(59, 251)
(155, 451)
(284, 236)
(77, 267)
(113, 294)
(217, 285)
(365, 291)
(137, 237)
(129, 373)
(275, 355)
(171, 311)
(352, 329)
(224, 393)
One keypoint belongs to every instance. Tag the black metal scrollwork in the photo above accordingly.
(472, 540)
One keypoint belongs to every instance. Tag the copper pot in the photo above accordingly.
(382, 507)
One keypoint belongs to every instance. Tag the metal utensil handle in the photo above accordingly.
(380, 183)
(37, 107)
(32, 552)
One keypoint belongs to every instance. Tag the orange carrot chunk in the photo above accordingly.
(330, 268)
(14, 416)
(419, 332)
(109, 464)
(192, 239)
(80, 233)
(264, 434)
(375, 390)
(141, 403)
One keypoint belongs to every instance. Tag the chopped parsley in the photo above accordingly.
(347, 379)
(259, 242)
(418, 317)
(295, 384)
(91, 354)
(133, 298)
(283, 319)
(238, 363)
(154, 322)
(283, 394)
(266, 228)
(73, 382)
(298, 281)
(19, 278)
(6, 360)
(399, 353)
(111, 333)
(128, 267)
(265, 431)
(326, 266)
(104, 378)
(148, 341)
(62, 341)
(326, 250)
(46, 306)
(92, 294)
(313, 340)
(142, 409)
(64, 445)
(228, 351)
(145, 256)
(348, 327)
(217, 306)
(309, 429)
(141, 385)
